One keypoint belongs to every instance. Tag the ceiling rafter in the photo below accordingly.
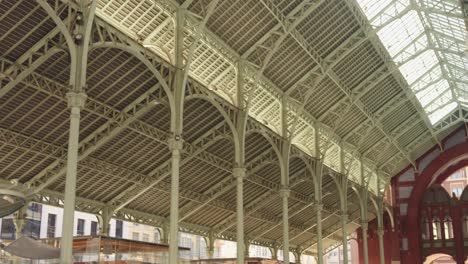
(332, 229)
(30, 61)
(28, 143)
(255, 205)
(337, 55)
(440, 57)
(199, 198)
(105, 112)
(295, 17)
(19, 140)
(102, 135)
(388, 62)
(229, 183)
(313, 54)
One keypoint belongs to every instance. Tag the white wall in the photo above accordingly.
(46, 210)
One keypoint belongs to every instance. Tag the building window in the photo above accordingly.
(425, 229)
(157, 238)
(51, 222)
(146, 237)
(35, 207)
(118, 228)
(457, 191)
(465, 226)
(80, 227)
(93, 228)
(32, 228)
(448, 229)
(8, 229)
(136, 236)
(436, 229)
(457, 175)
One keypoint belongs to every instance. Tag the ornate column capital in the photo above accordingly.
(76, 100)
(239, 172)
(175, 143)
(344, 215)
(364, 225)
(380, 231)
(285, 192)
(318, 207)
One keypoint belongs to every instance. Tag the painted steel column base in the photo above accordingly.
(76, 102)
(364, 226)
(104, 221)
(239, 173)
(318, 211)
(19, 220)
(380, 234)
(175, 145)
(284, 193)
(274, 253)
(344, 234)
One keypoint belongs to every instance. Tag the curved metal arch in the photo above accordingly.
(358, 195)
(70, 41)
(309, 168)
(131, 50)
(338, 187)
(390, 216)
(224, 114)
(264, 134)
(376, 206)
(64, 30)
(32, 67)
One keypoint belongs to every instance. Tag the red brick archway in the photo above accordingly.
(437, 171)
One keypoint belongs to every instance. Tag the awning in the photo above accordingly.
(27, 247)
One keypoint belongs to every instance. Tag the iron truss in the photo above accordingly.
(315, 82)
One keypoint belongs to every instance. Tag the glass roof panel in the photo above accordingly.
(450, 43)
(416, 67)
(442, 112)
(459, 74)
(372, 8)
(457, 60)
(443, 5)
(412, 49)
(447, 25)
(431, 93)
(401, 32)
(429, 78)
(441, 100)
(426, 39)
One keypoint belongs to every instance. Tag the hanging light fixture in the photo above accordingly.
(11, 200)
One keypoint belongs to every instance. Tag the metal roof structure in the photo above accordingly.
(320, 82)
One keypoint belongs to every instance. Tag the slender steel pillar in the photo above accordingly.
(19, 220)
(284, 193)
(239, 173)
(104, 221)
(210, 245)
(344, 234)
(210, 252)
(274, 253)
(380, 234)
(318, 213)
(364, 226)
(175, 145)
(75, 103)
(298, 257)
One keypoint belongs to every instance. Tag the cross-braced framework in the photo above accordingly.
(233, 119)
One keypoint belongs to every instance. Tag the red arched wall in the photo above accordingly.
(456, 157)
(391, 245)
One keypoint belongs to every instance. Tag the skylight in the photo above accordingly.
(426, 40)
